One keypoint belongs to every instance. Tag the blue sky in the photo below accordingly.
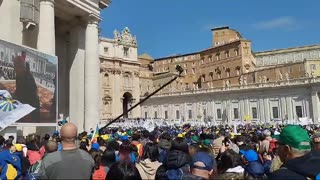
(167, 27)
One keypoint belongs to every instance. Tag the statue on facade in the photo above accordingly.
(227, 83)
(241, 80)
(245, 80)
(260, 79)
(264, 79)
(306, 74)
(287, 76)
(280, 76)
(116, 35)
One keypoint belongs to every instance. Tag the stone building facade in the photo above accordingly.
(120, 70)
(229, 82)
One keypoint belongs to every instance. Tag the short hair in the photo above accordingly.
(151, 152)
(51, 146)
(135, 137)
(2, 140)
(123, 170)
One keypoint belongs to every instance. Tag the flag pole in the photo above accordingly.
(178, 68)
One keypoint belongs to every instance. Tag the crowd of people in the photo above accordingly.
(7, 73)
(185, 152)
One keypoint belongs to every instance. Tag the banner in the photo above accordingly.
(11, 110)
(30, 77)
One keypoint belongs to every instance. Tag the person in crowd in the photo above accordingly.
(253, 167)
(108, 159)
(177, 162)
(126, 152)
(230, 166)
(45, 139)
(135, 141)
(316, 141)
(241, 142)
(99, 170)
(69, 163)
(34, 153)
(265, 143)
(149, 162)
(24, 161)
(2, 140)
(9, 164)
(203, 165)
(123, 170)
(217, 143)
(294, 151)
(164, 146)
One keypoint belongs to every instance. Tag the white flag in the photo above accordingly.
(11, 110)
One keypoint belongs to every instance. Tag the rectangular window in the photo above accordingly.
(275, 112)
(236, 52)
(166, 114)
(202, 61)
(193, 70)
(254, 113)
(210, 58)
(190, 114)
(219, 115)
(145, 115)
(235, 113)
(2, 55)
(155, 114)
(204, 112)
(106, 50)
(177, 114)
(218, 56)
(126, 52)
(227, 54)
(299, 111)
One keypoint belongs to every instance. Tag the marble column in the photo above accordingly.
(46, 38)
(315, 106)
(91, 76)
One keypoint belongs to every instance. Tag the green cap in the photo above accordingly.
(206, 142)
(295, 136)
(195, 139)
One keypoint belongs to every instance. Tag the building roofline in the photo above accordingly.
(220, 28)
(286, 49)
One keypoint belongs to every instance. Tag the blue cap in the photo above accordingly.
(250, 155)
(124, 138)
(95, 146)
(204, 158)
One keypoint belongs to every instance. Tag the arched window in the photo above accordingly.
(211, 75)
(238, 70)
(228, 72)
(227, 54)
(106, 79)
(203, 77)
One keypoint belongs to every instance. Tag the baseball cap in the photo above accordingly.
(295, 136)
(18, 147)
(250, 155)
(95, 146)
(202, 160)
(194, 139)
(267, 132)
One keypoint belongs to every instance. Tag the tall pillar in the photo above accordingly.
(91, 74)
(315, 106)
(46, 37)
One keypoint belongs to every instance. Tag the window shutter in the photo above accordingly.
(29, 11)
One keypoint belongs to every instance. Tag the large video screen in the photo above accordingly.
(31, 78)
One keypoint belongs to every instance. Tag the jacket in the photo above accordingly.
(148, 169)
(232, 173)
(254, 169)
(10, 165)
(299, 168)
(174, 160)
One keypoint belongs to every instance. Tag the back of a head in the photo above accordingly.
(135, 137)
(229, 159)
(151, 152)
(69, 132)
(51, 146)
(180, 144)
(123, 170)
(108, 157)
(46, 137)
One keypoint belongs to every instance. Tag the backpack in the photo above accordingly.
(99, 173)
(25, 165)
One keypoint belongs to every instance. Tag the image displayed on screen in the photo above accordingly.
(31, 77)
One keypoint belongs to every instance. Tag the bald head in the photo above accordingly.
(69, 132)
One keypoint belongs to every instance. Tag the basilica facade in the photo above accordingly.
(229, 82)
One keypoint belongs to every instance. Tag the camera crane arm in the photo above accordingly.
(178, 68)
